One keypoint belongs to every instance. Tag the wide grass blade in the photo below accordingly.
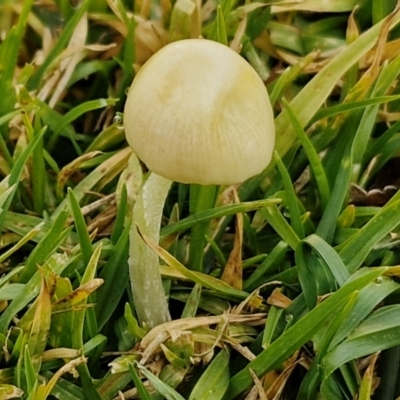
(299, 333)
(319, 88)
(329, 256)
(159, 385)
(369, 298)
(55, 237)
(215, 379)
(356, 249)
(366, 338)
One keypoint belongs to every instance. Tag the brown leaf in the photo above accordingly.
(233, 271)
(278, 299)
(276, 388)
(369, 381)
(79, 294)
(261, 392)
(373, 197)
(70, 169)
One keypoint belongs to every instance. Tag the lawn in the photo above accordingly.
(122, 280)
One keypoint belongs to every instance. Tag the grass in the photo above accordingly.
(298, 294)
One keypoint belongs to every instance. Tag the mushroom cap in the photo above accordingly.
(197, 112)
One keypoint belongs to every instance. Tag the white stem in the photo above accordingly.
(144, 268)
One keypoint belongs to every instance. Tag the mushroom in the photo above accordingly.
(195, 113)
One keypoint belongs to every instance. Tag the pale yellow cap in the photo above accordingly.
(197, 112)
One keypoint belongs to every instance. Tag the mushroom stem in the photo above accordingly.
(144, 268)
(201, 198)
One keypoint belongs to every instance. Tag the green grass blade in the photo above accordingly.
(288, 76)
(120, 217)
(389, 369)
(330, 257)
(181, 20)
(385, 80)
(299, 333)
(38, 174)
(307, 267)
(142, 391)
(319, 88)
(356, 249)
(80, 226)
(133, 325)
(30, 374)
(369, 298)
(17, 170)
(202, 197)
(64, 389)
(22, 224)
(59, 46)
(214, 213)
(220, 27)
(22, 159)
(309, 385)
(327, 225)
(215, 379)
(111, 384)
(291, 199)
(8, 117)
(75, 113)
(78, 327)
(159, 385)
(192, 303)
(128, 58)
(313, 157)
(80, 314)
(367, 338)
(11, 291)
(56, 235)
(356, 105)
(274, 260)
(6, 192)
(5, 280)
(108, 138)
(381, 9)
(9, 51)
(273, 317)
(279, 223)
(116, 277)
